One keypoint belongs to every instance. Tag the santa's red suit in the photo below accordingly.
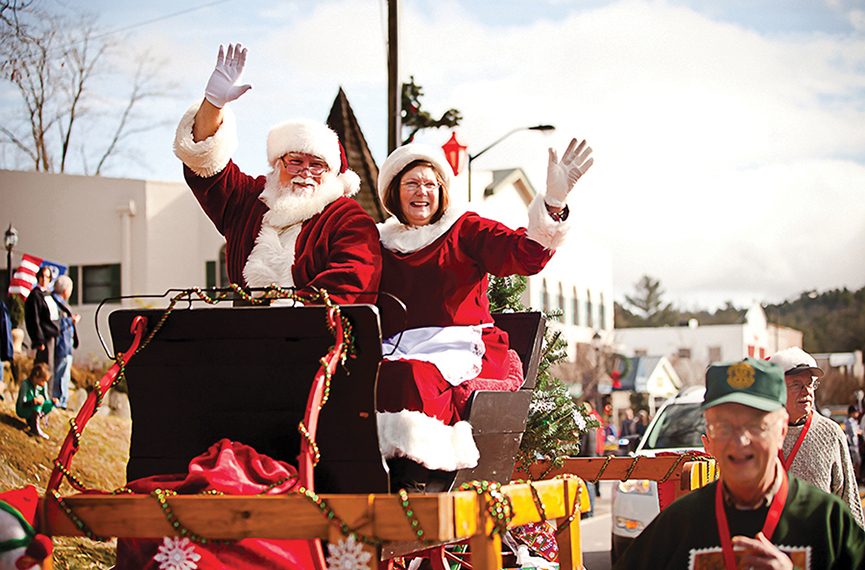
(319, 241)
(450, 347)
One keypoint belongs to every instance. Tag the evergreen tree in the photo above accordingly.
(555, 421)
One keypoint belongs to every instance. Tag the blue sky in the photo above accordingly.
(729, 136)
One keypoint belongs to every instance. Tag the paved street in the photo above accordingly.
(595, 532)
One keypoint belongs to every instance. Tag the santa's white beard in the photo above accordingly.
(298, 200)
(272, 258)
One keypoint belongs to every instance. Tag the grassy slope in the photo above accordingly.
(99, 464)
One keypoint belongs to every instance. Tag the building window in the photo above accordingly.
(714, 354)
(589, 320)
(576, 315)
(684, 353)
(73, 274)
(562, 302)
(640, 352)
(545, 296)
(99, 282)
(216, 272)
(602, 314)
(223, 269)
(762, 353)
(751, 348)
(210, 274)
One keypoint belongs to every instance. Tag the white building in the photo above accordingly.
(754, 337)
(118, 237)
(579, 278)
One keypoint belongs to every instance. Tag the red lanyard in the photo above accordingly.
(789, 460)
(768, 527)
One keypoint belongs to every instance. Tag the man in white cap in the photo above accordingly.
(815, 448)
(296, 226)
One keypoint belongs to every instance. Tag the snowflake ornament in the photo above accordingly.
(176, 554)
(347, 554)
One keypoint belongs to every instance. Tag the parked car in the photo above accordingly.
(676, 427)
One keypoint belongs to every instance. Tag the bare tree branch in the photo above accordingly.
(54, 67)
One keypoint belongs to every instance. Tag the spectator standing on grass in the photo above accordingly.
(67, 340)
(40, 317)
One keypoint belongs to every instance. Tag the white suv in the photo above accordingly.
(676, 427)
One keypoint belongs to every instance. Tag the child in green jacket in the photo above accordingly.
(34, 399)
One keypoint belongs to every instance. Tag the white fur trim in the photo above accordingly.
(427, 440)
(350, 183)
(544, 229)
(307, 137)
(396, 236)
(272, 258)
(401, 157)
(208, 157)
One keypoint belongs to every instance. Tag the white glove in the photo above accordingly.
(224, 84)
(562, 176)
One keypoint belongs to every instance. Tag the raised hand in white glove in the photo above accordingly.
(224, 84)
(562, 176)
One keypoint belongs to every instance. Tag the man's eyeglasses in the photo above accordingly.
(415, 186)
(296, 166)
(726, 432)
(797, 387)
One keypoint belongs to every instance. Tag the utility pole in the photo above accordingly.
(394, 88)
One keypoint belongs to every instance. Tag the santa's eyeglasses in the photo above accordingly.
(297, 166)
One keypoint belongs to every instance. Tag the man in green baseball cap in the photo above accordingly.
(754, 516)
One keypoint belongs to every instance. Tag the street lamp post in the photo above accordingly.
(471, 157)
(10, 240)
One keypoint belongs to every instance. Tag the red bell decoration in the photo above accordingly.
(455, 153)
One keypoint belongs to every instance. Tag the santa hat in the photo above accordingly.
(316, 139)
(405, 155)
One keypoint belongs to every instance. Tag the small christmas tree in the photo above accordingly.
(555, 421)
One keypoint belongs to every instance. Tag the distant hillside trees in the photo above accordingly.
(833, 321)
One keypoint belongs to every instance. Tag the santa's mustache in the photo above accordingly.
(295, 186)
(302, 180)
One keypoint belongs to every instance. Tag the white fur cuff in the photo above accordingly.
(210, 156)
(427, 440)
(544, 229)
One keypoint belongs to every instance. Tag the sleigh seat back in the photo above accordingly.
(244, 373)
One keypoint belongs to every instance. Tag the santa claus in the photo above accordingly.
(295, 227)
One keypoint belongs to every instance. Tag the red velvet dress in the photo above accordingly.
(444, 283)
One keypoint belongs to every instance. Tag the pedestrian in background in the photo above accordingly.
(40, 317)
(815, 448)
(853, 432)
(67, 340)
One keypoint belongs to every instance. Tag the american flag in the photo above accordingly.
(24, 278)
